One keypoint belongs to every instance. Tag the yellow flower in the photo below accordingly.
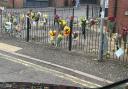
(52, 33)
(63, 22)
(60, 36)
(45, 15)
(67, 30)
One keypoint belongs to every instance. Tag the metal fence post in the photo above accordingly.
(54, 15)
(1, 20)
(92, 11)
(100, 57)
(87, 11)
(71, 26)
(28, 27)
(1, 13)
(54, 11)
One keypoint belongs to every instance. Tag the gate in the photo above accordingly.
(68, 28)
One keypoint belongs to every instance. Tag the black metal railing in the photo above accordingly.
(69, 28)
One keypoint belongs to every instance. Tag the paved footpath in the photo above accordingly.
(73, 63)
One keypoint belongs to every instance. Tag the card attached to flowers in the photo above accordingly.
(119, 52)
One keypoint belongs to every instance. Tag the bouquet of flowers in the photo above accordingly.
(22, 18)
(62, 22)
(56, 18)
(59, 39)
(8, 26)
(18, 28)
(92, 22)
(67, 31)
(52, 35)
(75, 36)
(35, 16)
(45, 19)
(111, 24)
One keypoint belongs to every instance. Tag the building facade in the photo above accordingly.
(43, 3)
(119, 9)
(36, 3)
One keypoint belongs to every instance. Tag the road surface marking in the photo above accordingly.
(62, 67)
(9, 48)
(56, 73)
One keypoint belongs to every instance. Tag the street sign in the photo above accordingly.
(106, 3)
(102, 14)
(1, 9)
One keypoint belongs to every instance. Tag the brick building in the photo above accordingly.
(43, 3)
(16, 3)
(119, 9)
(12, 3)
(60, 3)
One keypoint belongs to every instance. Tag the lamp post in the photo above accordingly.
(100, 57)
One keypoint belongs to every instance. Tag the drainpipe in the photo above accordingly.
(115, 14)
(115, 8)
(13, 2)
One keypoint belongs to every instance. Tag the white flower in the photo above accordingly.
(39, 13)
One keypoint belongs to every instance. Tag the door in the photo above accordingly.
(88, 1)
(36, 3)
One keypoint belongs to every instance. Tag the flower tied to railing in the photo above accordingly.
(8, 26)
(36, 16)
(93, 22)
(83, 21)
(22, 18)
(52, 35)
(59, 39)
(75, 35)
(111, 25)
(10, 22)
(45, 18)
(67, 31)
(62, 24)
(124, 33)
(56, 19)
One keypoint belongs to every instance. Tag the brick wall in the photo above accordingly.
(122, 6)
(60, 3)
(17, 3)
(10, 3)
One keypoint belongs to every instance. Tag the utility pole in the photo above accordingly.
(100, 57)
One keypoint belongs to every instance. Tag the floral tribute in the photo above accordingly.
(52, 35)
(111, 25)
(59, 39)
(11, 21)
(67, 31)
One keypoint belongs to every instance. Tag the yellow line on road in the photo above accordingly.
(9, 48)
(51, 71)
